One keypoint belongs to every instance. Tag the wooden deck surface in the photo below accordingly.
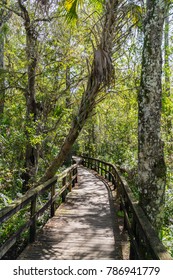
(84, 227)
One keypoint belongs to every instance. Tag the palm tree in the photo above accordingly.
(101, 74)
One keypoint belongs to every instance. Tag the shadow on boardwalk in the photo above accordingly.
(86, 226)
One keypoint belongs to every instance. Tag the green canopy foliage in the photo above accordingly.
(64, 55)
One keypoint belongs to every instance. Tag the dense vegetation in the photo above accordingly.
(49, 69)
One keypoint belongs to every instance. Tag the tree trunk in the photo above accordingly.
(2, 90)
(101, 75)
(167, 84)
(31, 156)
(166, 47)
(151, 165)
(68, 90)
(4, 17)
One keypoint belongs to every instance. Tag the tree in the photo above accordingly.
(4, 16)
(2, 91)
(100, 75)
(31, 158)
(151, 165)
(33, 23)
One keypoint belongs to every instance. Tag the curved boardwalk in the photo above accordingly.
(84, 227)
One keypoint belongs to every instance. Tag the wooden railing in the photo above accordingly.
(56, 187)
(144, 243)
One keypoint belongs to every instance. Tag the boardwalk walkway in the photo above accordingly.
(84, 227)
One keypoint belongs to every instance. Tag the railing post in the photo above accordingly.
(105, 171)
(63, 196)
(73, 180)
(98, 167)
(32, 232)
(101, 168)
(70, 181)
(109, 176)
(76, 174)
(133, 255)
(91, 164)
(117, 182)
(114, 182)
(88, 163)
(126, 205)
(52, 210)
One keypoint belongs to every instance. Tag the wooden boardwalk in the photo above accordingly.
(84, 227)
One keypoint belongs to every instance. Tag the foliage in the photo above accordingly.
(12, 225)
(64, 56)
(72, 7)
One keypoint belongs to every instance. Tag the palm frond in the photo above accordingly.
(135, 13)
(71, 7)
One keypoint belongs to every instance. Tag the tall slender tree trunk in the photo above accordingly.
(31, 158)
(2, 90)
(101, 74)
(151, 165)
(4, 17)
(68, 91)
(31, 154)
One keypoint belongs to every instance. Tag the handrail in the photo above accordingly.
(144, 242)
(56, 187)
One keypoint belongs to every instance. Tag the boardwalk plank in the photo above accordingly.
(84, 227)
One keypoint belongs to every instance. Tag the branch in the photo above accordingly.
(25, 14)
(49, 19)
(12, 10)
